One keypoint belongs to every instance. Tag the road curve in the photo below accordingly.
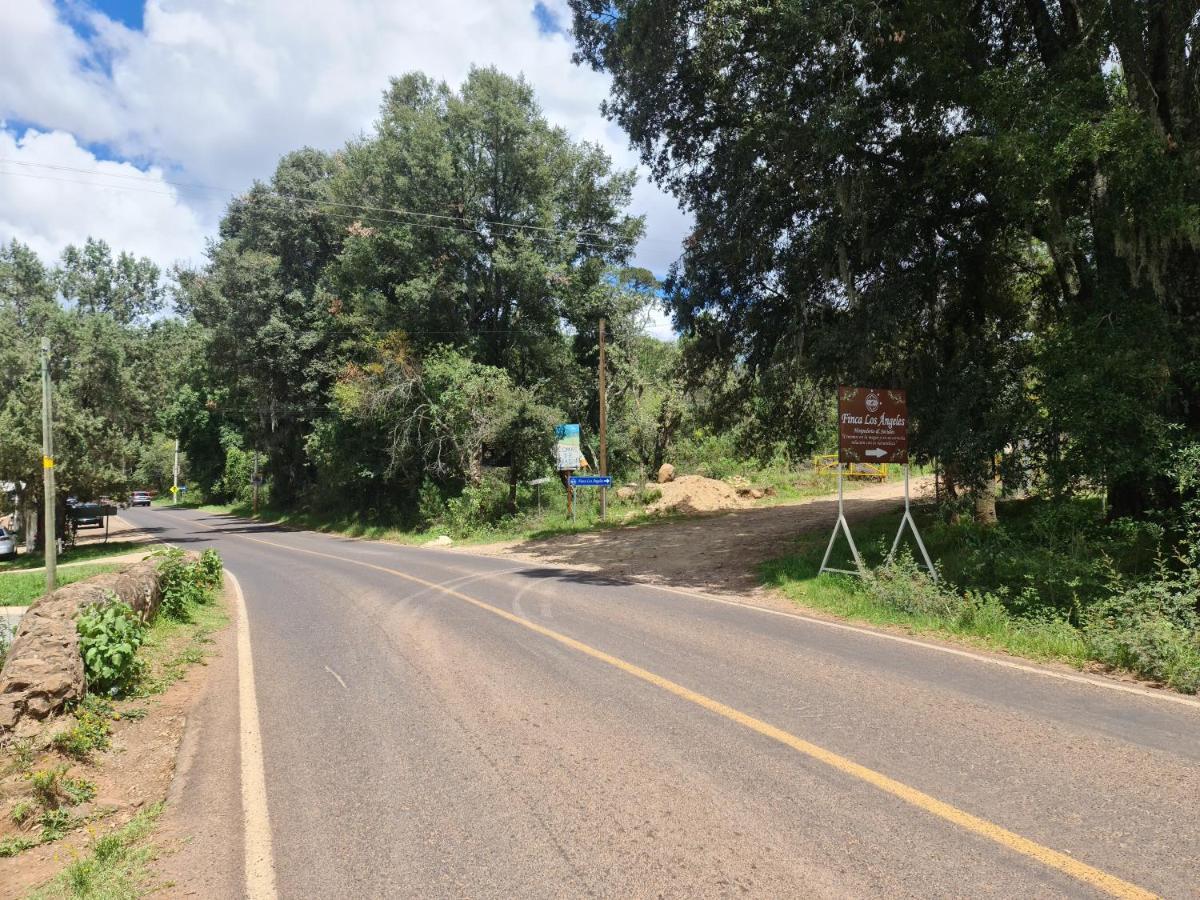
(442, 725)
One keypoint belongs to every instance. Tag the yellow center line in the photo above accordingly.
(1062, 862)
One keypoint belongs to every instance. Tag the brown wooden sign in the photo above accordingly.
(872, 425)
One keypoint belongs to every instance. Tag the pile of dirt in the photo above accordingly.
(692, 494)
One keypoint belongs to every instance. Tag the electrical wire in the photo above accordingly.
(285, 196)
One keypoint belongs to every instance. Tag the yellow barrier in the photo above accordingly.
(827, 464)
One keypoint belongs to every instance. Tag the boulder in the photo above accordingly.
(44, 670)
(626, 492)
(666, 472)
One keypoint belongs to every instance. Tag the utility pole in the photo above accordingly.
(603, 427)
(175, 476)
(51, 536)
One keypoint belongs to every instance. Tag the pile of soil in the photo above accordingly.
(692, 494)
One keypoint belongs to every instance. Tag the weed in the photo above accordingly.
(22, 753)
(186, 584)
(116, 866)
(21, 812)
(78, 790)
(14, 845)
(109, 637)
(55, 823)
(46, 785)
(90, 732)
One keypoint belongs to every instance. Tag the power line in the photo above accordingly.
(283, 199)
(284, 196)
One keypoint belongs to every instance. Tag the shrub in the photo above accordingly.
(1153, 627)
(903, 585)
(210, 568)
(109, 637)
(186, 584)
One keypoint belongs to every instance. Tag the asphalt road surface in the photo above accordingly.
(436, 724)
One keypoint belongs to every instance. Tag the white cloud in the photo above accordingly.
(215, 91)
(45, 206)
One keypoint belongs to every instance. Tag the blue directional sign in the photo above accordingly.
(591, 481)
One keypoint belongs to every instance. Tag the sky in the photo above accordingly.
(177, 104)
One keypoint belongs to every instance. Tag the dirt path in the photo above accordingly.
(718, 552)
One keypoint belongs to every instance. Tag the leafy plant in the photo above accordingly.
(46, 785)
(109, 637)
(21, 812)
(14, 845)
(78, 790)
(210, 568)
(55, 823)
(184, 583)
(90, 731)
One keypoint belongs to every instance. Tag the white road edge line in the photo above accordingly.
(259, 862)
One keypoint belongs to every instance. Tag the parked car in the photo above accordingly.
(85, 514)
(139, 498)
(8, 544)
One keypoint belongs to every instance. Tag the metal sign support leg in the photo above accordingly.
(845, 526)
(907, 518)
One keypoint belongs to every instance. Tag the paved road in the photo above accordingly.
(437, 724)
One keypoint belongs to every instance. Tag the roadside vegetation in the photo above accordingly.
(1053, 581)
(385, 334)
(48, 782)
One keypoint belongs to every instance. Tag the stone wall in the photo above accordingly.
(44, 670)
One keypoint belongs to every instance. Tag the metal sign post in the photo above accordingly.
(844, 526)
(872, 429)
(907, 518)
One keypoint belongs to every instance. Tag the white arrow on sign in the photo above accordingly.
(876, 452)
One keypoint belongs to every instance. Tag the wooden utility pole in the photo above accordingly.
(49, 541)
(603, 427)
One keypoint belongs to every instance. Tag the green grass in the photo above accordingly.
(1026, 581)
(22, 588)
(81, 553)
(115, 867)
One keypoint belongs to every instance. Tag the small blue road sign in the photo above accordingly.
(591, 481)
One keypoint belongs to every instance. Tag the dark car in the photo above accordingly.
(139, 498)
(87, 514)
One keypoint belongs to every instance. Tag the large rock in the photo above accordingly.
(44, 670)
(666, 472)
(625, 492)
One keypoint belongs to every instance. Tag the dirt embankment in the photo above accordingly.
(718, 552)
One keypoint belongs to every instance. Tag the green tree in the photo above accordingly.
(917, 193)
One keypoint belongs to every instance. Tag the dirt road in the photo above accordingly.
(720, 552)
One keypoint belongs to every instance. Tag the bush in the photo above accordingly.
(109, 637)
(210, 569)
(905, 586)
(186, 584)
(1152, 628)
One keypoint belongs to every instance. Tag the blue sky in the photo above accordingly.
(105, 105)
